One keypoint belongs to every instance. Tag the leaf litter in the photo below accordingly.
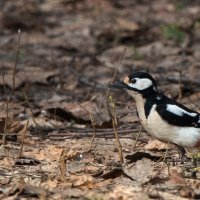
(57, 137)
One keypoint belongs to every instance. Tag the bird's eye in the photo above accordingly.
(133, 80)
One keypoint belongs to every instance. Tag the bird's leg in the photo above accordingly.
(182, 152)
(195, 158)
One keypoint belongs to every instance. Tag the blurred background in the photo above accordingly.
(68, 51)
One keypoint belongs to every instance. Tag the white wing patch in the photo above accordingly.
(141, 83)
(179, 111)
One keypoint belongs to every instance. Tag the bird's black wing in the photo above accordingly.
(177, 114)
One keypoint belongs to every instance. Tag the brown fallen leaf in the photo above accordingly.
(18, 188)
(127, 25)
(128, 193)
(43, 122)
(156, 145)
(48, 153)
(49, 184)
(176, 177)
(38, 75)
(12, 126)
(130, 118)
(82, 180)
(141, 171)
(78, 112)
(82, 109)
(185, 192)
(7, 162)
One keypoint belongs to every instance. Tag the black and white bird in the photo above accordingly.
(162, 117)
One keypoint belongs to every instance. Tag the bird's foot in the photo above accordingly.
(182, 152)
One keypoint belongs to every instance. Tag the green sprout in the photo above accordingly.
(137, 55)
(173, 32)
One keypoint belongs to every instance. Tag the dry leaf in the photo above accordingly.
(176, 178)
(48, 153)
(128, 193)
(49, 184)
(142, 171)
(11, 125)
(38, 75)
(156, 145)
(127, 25)
(82, 180)
(185, 192)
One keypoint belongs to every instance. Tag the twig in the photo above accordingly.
(112, 113)
(16, 60)
(113, 78)
(24, 131)
(5, 127)
(94, 130)
(62, 164)
(4, 85)
(166, 152)
(6, 120)
(114, 123)
(32, 115)
(164, 158)
(66, 155)
(140, 131)
(13, 89)
(180, 88)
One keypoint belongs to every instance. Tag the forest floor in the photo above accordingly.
(57, 136)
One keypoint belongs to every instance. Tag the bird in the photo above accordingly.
(162, 117)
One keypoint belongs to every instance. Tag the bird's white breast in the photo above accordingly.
(162, 130)
(140, 102)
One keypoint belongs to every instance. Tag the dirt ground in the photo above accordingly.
(56, 112)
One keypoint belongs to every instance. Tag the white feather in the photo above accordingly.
(163, 131)
(179, 111)
(141, 83)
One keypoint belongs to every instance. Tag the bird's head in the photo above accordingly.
(137, 83)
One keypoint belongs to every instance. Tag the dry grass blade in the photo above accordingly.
(180, 88)
(62, 164)
(32, 115)
(23, 134)
(66, 155)
(165, 156)
(114, 123)
(94, 130)
(6, 121)
(112, 80)
(9, 96)
(140, 131)
(16, 60)
(112, 113)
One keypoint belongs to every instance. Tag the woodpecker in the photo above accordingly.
(162, 117)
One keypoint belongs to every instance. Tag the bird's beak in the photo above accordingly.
(118, 85)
